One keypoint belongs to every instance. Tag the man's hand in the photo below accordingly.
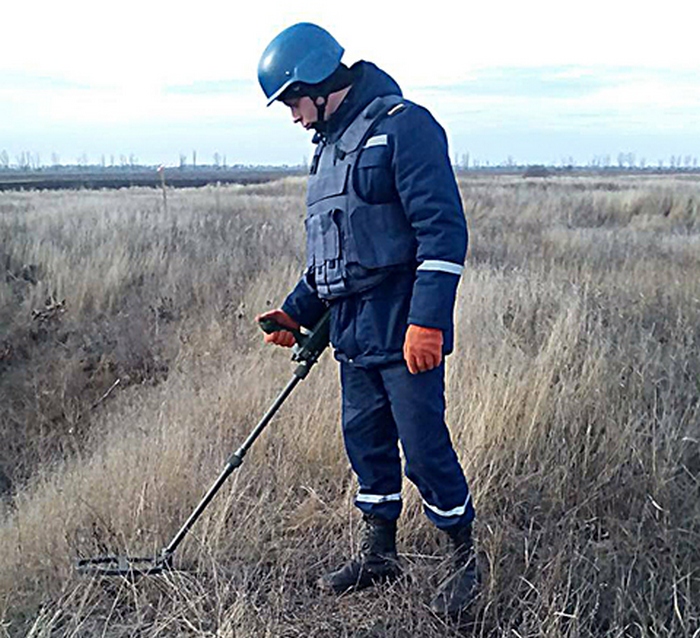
(283, 337)
(422, 348)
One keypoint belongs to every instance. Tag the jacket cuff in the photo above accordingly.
(303, 305)
(433, 300)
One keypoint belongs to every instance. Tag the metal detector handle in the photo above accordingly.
(309, 347)
(269, 326)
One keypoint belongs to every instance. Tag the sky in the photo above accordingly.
(526, 82)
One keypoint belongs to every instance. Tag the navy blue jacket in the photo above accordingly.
(368, 328)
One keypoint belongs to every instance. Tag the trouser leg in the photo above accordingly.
(371, 441)
(418, 406)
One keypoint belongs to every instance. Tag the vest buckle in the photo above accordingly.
(339, 154)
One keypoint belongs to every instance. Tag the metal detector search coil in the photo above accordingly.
(127, 566)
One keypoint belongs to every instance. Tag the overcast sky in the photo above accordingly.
(539, 81)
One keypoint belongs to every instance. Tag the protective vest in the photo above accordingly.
(350, 243)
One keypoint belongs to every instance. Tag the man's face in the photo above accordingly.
(303, 110)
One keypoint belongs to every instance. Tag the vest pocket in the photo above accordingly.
(323, 251)
(333, 181)
(383, 236)
(322, 237)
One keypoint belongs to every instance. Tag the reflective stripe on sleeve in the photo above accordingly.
(377, 498)
(456, 511)
(441, 266)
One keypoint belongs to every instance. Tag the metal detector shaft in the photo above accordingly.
(309, 352)
(235, 461)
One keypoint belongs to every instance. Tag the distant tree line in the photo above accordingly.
(30, 161)
(625, 160)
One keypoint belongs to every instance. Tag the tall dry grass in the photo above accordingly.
(573, 401)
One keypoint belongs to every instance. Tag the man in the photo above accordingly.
(386, 243)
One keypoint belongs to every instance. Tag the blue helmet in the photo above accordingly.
(303, 53)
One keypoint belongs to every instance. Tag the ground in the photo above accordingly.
(130, 368)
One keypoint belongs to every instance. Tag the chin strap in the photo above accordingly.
(321, 108)
(320, 123)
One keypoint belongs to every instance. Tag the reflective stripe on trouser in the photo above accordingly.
(382, 406)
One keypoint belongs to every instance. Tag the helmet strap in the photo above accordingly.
(321, 101)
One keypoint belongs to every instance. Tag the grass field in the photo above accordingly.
(130, 368)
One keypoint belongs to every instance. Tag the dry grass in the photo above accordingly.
(574, 401)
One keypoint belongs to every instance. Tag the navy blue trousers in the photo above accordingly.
(387, 405)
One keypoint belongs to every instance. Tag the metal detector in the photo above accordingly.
(309, 347)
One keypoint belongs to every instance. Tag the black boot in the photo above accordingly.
(459, 588)
(376, 562)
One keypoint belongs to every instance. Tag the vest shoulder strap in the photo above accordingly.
(358, 129)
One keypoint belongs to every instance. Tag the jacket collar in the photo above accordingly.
(369, 82)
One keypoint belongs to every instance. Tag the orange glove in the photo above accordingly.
(422, 348)
(282, 337)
